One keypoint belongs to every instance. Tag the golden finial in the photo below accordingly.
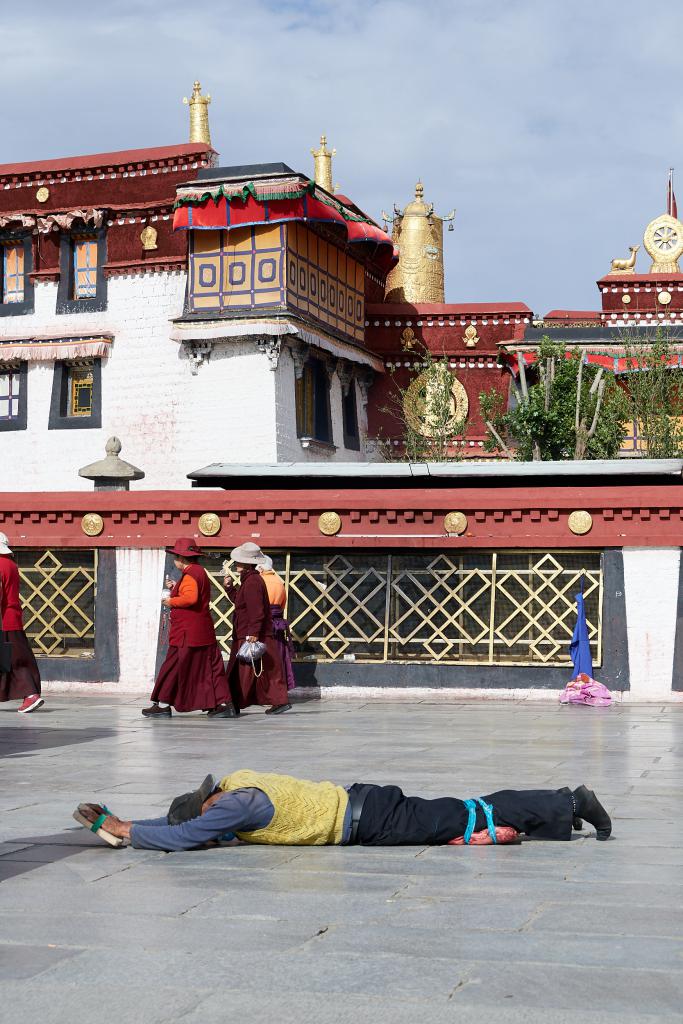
(322, 163)
(199, 115)
(418, 234)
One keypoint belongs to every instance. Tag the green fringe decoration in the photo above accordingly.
(249, 189)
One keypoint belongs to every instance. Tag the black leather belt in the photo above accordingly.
(357, 795)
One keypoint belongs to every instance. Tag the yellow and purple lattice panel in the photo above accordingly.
(325, 283)
(238, 269)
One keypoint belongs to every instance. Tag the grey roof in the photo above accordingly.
(466, 470)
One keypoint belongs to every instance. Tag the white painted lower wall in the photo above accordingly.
(651, 586)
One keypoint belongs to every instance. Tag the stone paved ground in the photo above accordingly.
(544, 932)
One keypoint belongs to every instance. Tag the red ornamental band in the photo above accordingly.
(502, 517)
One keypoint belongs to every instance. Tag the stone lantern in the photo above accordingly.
(111, 473)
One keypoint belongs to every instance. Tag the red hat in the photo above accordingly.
(184, 547)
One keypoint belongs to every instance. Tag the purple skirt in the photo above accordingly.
(284, 643)
(23, 679)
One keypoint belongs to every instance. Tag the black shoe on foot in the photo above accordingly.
(224, 711)
(588, 807)
(577, 824)
(278, 709)
(156, 712)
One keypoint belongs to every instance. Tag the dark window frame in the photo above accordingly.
(21, 421)
(59, 402)
(350, 418)
(28, 302)
(313, 412)
(66, 303)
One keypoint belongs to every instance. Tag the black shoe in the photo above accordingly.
(577, 824)
(588, 807)
(224, 711)
(278, 709)
(156, 712)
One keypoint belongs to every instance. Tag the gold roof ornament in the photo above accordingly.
(663, 240)
(418, 234)
(322, 165)
(626, 266)
(199, 115)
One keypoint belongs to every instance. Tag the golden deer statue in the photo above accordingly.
(626, 266)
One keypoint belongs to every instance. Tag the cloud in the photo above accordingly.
(549, 126)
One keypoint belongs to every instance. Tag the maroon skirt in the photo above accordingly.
(192, 679)
(23, 679)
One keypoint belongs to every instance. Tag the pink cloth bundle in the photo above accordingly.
(504, 834)
(585, 690)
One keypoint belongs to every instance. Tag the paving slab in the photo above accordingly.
(544, 932)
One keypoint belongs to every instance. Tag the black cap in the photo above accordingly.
(189, 805)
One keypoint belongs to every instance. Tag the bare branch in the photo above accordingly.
(598, 405)
(596, 383)
(579, 378)
(522, 378)
(547, 381)
(499, 440)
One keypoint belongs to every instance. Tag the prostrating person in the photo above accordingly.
(192, 677)
(277, 595)
(19, 675)
(260, 807)
(257, 681)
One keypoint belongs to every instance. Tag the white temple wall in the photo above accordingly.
(170, 421)
(651, 585)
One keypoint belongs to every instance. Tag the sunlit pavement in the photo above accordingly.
(543, 932)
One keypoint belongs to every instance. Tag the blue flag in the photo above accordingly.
(580, 648)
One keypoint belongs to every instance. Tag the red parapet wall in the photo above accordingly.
(382, 517)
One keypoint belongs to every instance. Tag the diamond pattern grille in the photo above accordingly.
(475, 607)
(58, 590)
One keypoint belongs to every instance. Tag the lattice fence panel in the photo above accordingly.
(58, 591)
(469, 607)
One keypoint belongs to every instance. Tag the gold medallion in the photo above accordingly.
(329, 523)
(626, 299)
(43, 194)
(209, 524)
(664, 298)
(92, 524)
(455, 523)
(580, 522)
(148, 237)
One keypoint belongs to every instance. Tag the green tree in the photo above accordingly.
(565, 410)
(655, 393)
(426, 411)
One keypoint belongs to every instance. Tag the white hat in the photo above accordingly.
(5, 549)
(247, 554)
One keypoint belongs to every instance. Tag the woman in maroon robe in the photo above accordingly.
(252, 621)
(192, 677)
(23, 678)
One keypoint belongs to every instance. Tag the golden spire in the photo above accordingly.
(322, 162)
(199, 115)
(418, 234)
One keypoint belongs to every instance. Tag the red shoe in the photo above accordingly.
(30, 704)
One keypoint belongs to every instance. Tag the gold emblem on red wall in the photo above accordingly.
(209, 524)
(580, 522)
(148, 237)
(455, 523)
(92, 524)
(470, 337)
(329, 523)
(43, 194)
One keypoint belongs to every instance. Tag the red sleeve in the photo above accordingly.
(255, 600)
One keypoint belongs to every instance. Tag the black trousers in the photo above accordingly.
(389, 818)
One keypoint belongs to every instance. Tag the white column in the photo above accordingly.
(139, 576)
(651, 585)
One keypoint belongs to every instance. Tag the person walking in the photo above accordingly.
(277, 595)
(259, 682)
(192, 677)
(22, 680)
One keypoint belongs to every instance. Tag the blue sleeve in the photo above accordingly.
(244, 810)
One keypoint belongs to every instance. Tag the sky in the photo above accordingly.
(549, 125)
